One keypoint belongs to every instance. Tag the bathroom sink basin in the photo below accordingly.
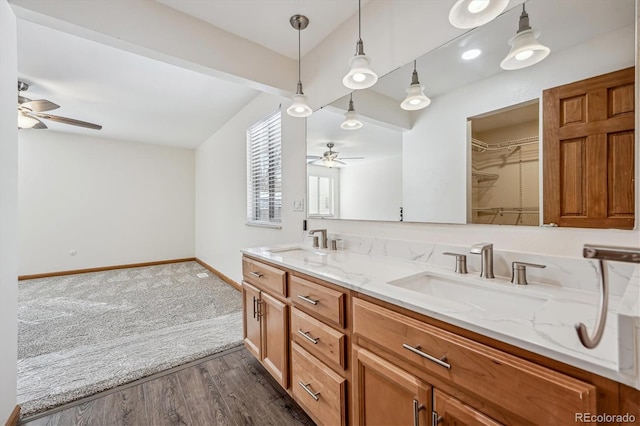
(297, 252)
(483, 299)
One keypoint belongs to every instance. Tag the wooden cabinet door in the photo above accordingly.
(387, 395)
(448, 411)
(275, 326)
(589, 144)
(251, 320)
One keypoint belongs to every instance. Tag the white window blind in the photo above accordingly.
(264, 172)
(320, 196)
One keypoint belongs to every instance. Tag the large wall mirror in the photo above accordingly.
(474, 155)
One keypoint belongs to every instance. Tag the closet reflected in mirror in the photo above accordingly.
(505, 166)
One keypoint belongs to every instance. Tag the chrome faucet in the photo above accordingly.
(323, 237)
(486, 251)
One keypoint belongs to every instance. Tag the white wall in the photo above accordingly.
(435, 150)
(371, 189)
(221, 188)
(113, 202)
(8, 211)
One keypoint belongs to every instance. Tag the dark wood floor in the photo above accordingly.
(231, 389)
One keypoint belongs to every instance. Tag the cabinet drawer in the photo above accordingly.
(318, 338)
(319, 301)
(531, 391)
(317, 388)
(264, 276)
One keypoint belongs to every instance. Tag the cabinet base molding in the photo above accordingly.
(14, 417)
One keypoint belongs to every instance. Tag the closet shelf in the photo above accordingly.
(481, 146)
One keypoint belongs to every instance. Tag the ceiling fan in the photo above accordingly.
(330, 158)
(30, 112)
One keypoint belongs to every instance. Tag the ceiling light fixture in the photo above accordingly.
(471, 54)
(360, 76)
(467, 14)
(299, 107)
(351, 119)
(416, 99)
(525, 49)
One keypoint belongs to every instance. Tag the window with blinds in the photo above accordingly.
(320, 196)
(264, 172)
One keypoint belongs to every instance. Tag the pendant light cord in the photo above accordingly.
(359, 23)
(299, 80)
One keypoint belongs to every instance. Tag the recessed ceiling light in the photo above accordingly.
(471, 54)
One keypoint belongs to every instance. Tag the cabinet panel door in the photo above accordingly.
(387, 395)
(589, 152)
(275, 338)
(250, 319)
(451, 411)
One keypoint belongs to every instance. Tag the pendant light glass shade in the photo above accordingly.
(416, 99)
(360, 75)
(474, 13)
(351, 119)
(299, 105)
(525, 49)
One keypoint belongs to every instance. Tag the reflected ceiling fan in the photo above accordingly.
(31, 112)
(330, 158)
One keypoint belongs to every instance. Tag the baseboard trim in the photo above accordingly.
(220, 275)
(104, 268)
(14, 417)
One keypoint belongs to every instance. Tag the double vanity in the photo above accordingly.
(359, 338)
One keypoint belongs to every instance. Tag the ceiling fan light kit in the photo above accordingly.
(467, 14)
(30, 112)
(299, 106)
(525, 48)
(360, 75)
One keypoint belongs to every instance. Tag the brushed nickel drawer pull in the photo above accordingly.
(254, 307)
(306, 299)
(256, 274)
(435, 418)
(416, 412)
(440, 361)
(305, 334)
(260, 313)
(309, 391)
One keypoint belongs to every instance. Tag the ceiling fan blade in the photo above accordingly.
(339, 162)
(351, 158)
(313, 157)
(39, 105)
(71, 121)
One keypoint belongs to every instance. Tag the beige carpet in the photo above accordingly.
(81, 334)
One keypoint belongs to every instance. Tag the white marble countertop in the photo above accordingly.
(536, 317)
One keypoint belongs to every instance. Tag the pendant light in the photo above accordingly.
(416, 99)
(525, 49)
(360, 76)
(474, 13)
(351, 119)
(299, 107)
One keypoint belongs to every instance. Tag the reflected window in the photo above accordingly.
(321, 196)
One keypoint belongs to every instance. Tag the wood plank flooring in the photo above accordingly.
(229, 389)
